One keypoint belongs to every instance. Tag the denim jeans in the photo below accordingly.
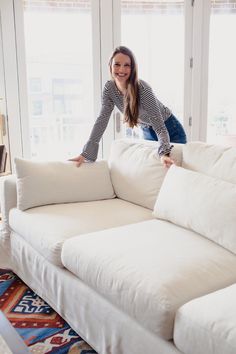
(174, 128)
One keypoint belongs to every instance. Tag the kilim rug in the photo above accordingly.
(41, 328)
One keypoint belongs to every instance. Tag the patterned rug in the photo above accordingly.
(41, 328)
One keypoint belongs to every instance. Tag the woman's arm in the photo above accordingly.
(153, 108)
(90, 150)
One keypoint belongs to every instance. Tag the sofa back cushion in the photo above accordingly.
(212, 160)
(200, 203)
(41, 183)
(136, 170)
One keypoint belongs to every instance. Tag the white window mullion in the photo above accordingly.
(107, 46)
(200, 64)
(187, 121)
(204, 71)
(11, 79)
(22, 77)
(97, 74)
(116, 18)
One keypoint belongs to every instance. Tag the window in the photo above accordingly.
(59, 64)
(221, 126)
(154, 31)
(68, 43)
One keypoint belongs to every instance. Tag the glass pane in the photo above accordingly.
(58, 37)
(221, 127)
(154, 31)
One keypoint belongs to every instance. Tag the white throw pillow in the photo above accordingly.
(41, 183)
(200, 203)
(136, 170)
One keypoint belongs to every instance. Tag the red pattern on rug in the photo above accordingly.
(12, 306)
(41, 328)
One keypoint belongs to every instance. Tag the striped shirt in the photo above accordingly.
(152, 113)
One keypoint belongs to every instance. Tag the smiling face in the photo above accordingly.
(121, 69)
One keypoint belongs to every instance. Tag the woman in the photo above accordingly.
(136, 100)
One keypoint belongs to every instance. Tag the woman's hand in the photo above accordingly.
(79, 160)
(166, 161)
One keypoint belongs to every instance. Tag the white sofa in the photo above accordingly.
(138, 259)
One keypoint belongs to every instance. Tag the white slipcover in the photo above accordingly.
(96, 320)
(46, 228)
(149, 269)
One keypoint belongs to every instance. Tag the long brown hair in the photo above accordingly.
(131, 98)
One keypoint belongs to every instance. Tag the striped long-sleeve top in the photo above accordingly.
(151, 113)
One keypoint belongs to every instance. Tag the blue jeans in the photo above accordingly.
(174, 128)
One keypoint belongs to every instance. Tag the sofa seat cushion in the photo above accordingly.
(150, 269)
(208, 324)
(46, 228)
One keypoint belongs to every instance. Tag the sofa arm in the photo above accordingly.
(207, 324)
(8, 200)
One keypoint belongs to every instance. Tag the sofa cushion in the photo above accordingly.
(208, 324)
(149, 269)
(212, 160)
(41, 183)
(136, 170)
(201, 203)
(46, 228)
